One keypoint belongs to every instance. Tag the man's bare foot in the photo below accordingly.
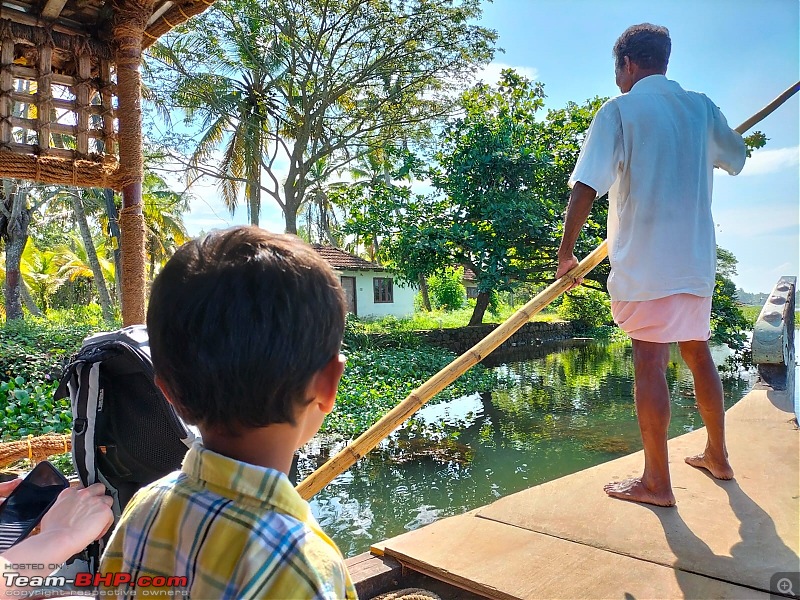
(721, 469)
(635, 491)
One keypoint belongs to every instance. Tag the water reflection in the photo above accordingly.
(564, 411)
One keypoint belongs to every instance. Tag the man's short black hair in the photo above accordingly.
(239, 322)
(646, 44)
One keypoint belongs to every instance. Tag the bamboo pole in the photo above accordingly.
(349, 455)
(416, 399)
(760, 115)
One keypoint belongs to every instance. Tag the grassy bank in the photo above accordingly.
(751, 314)
(380, 371)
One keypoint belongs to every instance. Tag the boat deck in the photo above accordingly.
(567, 539)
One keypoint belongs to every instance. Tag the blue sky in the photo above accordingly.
(740, 53)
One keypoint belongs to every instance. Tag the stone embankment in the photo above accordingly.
(461, 339)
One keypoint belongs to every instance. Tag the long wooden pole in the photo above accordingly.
(760, 115)
(348, 456)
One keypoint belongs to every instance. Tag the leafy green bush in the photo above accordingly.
(495, 304)
(29, 409)
(387, 332)
(37, 348)
(591, 307)
(385, 363)
(446, 289)
(33, 353)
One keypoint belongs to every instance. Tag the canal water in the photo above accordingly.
(569, 408)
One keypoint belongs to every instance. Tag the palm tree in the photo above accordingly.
(81, 200)
(41, 272)
(163, 216)
(77, 261)
(322, 222)
(19, 203)
(227, 86)
(24, 293)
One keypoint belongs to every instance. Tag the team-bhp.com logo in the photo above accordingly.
(92, 580)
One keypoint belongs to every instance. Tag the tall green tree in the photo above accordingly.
(503, 171)
(500, 183)
(728, 324)
(221, 70)
(296, 81)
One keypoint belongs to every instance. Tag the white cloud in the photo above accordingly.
(491, 73)
(772, 161)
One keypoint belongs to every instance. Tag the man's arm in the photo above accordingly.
(578, 209)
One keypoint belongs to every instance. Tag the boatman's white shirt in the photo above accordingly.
(654, 149)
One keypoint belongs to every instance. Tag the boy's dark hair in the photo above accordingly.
(239, 322)
(646, 44)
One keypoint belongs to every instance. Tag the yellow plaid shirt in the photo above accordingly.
(234, 530)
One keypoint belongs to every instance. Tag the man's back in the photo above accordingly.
(661, 231)
(233, 530)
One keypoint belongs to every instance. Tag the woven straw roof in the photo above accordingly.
(91, 19)
(70, 106)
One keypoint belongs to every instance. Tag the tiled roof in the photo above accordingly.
(341, 260)
(469, 274)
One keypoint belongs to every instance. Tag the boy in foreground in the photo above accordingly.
(245, 330)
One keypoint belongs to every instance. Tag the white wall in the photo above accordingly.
(403, 305)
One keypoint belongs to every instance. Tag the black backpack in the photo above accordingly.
(124, 433)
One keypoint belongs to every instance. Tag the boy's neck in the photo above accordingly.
(272, 446)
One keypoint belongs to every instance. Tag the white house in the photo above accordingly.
(370, 289)
(470, 283)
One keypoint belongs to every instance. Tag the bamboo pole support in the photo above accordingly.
(349, 455)
(6, 89)
(44, 98)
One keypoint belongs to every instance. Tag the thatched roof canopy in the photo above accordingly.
(58, 89)
(70, 109)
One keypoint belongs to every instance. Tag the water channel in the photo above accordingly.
(569, 407)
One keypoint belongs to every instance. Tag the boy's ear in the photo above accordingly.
(165, 390)
(169, 397)
(326, 383)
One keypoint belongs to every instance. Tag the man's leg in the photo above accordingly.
(652, 409)
(708, 391)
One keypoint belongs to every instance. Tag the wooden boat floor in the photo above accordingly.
(567, 539)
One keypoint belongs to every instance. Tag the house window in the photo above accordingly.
(382, 289)
(472, 292)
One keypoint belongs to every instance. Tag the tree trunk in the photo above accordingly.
(113, 225)
(14, 220)
(323, 205)
(423, 289)
(30, 304)
(253, 186)
(481, 303)
(292, 205)
(254, 202)
(151, 246)
(91, 256)
(15, 244)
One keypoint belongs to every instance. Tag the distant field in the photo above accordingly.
(751, 314)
